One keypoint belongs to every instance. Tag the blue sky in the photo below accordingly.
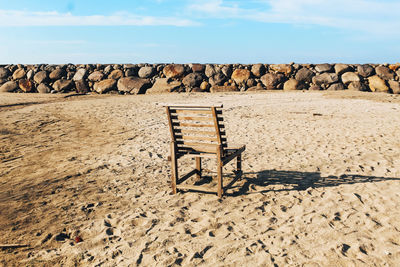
(208, 31)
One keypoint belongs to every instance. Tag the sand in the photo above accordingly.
(321, 184)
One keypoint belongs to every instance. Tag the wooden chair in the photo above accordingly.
(198, 131)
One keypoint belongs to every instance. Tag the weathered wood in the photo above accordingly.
(193, 125)
(190, 105)
(181, 118)
(174, 167)
(188, 111)
(219, 173)
(198, 167)
(191, 137)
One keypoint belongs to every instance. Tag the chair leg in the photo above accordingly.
(198, 168)
(239, 165)
(219, 178)
(174, 168)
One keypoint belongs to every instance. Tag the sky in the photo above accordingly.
(199, 31)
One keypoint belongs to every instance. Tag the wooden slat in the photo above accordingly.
(170, 123)
(192, 118)
(189, 137)
(196, 188)
(193, 125)
(178, 131)
(198, 148)
(189, 111)
(190, 105)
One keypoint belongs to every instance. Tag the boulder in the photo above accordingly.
(197, 90)
(258, 87)
(210, 70)
(227, 70)
(133, 85)
(165, 85)
(63, 85)
(174, 71)
(357, 86)
(43, 88)
(81, 86)
(4, 73)
(204, 86)
(314, 87)
(217, 79)
(105, 86)
(325, 79)
(197, 67)
(258, 70)
(25, 85)
(130, 72)
(251, 82)
(384, 72)
(40, 77)
(224, 88)
(96, 76)
(291, 84)
(29, 74)
(8, 86)
(394, 86)
(321, 68)
(146, 72)
(19, 74)
(272, 80)
(394, 67)
(192, 80)
(116, 74)
(342, 68)
(377, 84)
(281, 68)
(335, 87)
(349, 77)
(304, 75)
(79, 75)
(240, 76)
(365, 70)
(57, 74)
(108, 69)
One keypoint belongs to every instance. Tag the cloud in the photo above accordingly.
(28, 18)
(367, 16)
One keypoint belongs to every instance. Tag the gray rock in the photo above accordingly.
(105, 86)
(342, 68)
(384, 72)
(192, 80)
(291, 84)
(43, 88)
(321, 68)
(96, 76)
(133, 85)
(4, 73)
(165, 85)
(19, 74)
(377, 84)
(224, 88)
(394, 86)
(304, 75)
(174, 71)
(116, 74)
(272, 80)
(217, 79)
(258, 70)
(210, 70)
(8, 87)
(365, 70)
(40, 77)
(325, 79)
(356, 86)
(79, 75)
(81, 86)
(335, 87)
(29, 74)
(57, 74)
(146, 72)
(349, 77)
(63, 85)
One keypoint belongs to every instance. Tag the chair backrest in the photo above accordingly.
(197, 128)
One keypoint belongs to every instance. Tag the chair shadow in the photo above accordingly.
(298, 181)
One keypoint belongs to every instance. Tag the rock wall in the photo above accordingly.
(162, 78)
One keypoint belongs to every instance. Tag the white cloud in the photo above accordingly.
(27, 18)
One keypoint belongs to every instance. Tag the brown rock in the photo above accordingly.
(272, 80)
(377, 84)
(57, 74)
(335, 87)
(349, 77)
(314, 87)
(192, 80)
(116, 74)
(19, 74)
(96, 76)
(105, 86)
(258, 87)
(321, 68)
(8, 87)
(204, 86)
(394, 67)
(304, 75)
(394, 86)
(26, 85)
(384, 72)
(342, 68)
(227, 70)
(81, 86)
(4, 73)
(133, 85)
(197, 67)
(63, 85)
(174, 71)
(210, 70)
(240, 76)
(43, 88)
(165, 85)
(146, 72)
(40, 77)
(223, 88)
(217, 79)
(258, 70)
(365, 70)
(281, 68)
(291, 84)
(197, 90)
(357, 86)
(325, 79)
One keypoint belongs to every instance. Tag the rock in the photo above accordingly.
(26, 85)
(146, 72)
(197, 90)
(258, 87)
(272, 80)
(130, 72)
(394, 67)
(314, 87)
(304, 75)
(105, 86)
(210, 70)
(174, 71)
(356, 86)
(62, 85)
(204, 86)
(29, 74)
(81, 86)
(258, 70)
(96, 76)
(384, 72)
(251, 83)
(365, 70)
(291, 84)
(8, 87)
(192, 80)
(57, 74)
(4, 73)
(342, 68)
(197, 67)
(394, 86)
(336, 87)
(217, 79)
(321, 68)
(19, 74)
(79, 75)
(43, 88)
(165, 85)
(325, 79)
(376, 84)
(40, 77)
(240, 76)
(224, 88)
(281, 68)
(116, 74)
(227, 70)
(108, 69)
(349, 77)
(133, 85)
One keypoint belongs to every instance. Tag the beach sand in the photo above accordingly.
(321, 183)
